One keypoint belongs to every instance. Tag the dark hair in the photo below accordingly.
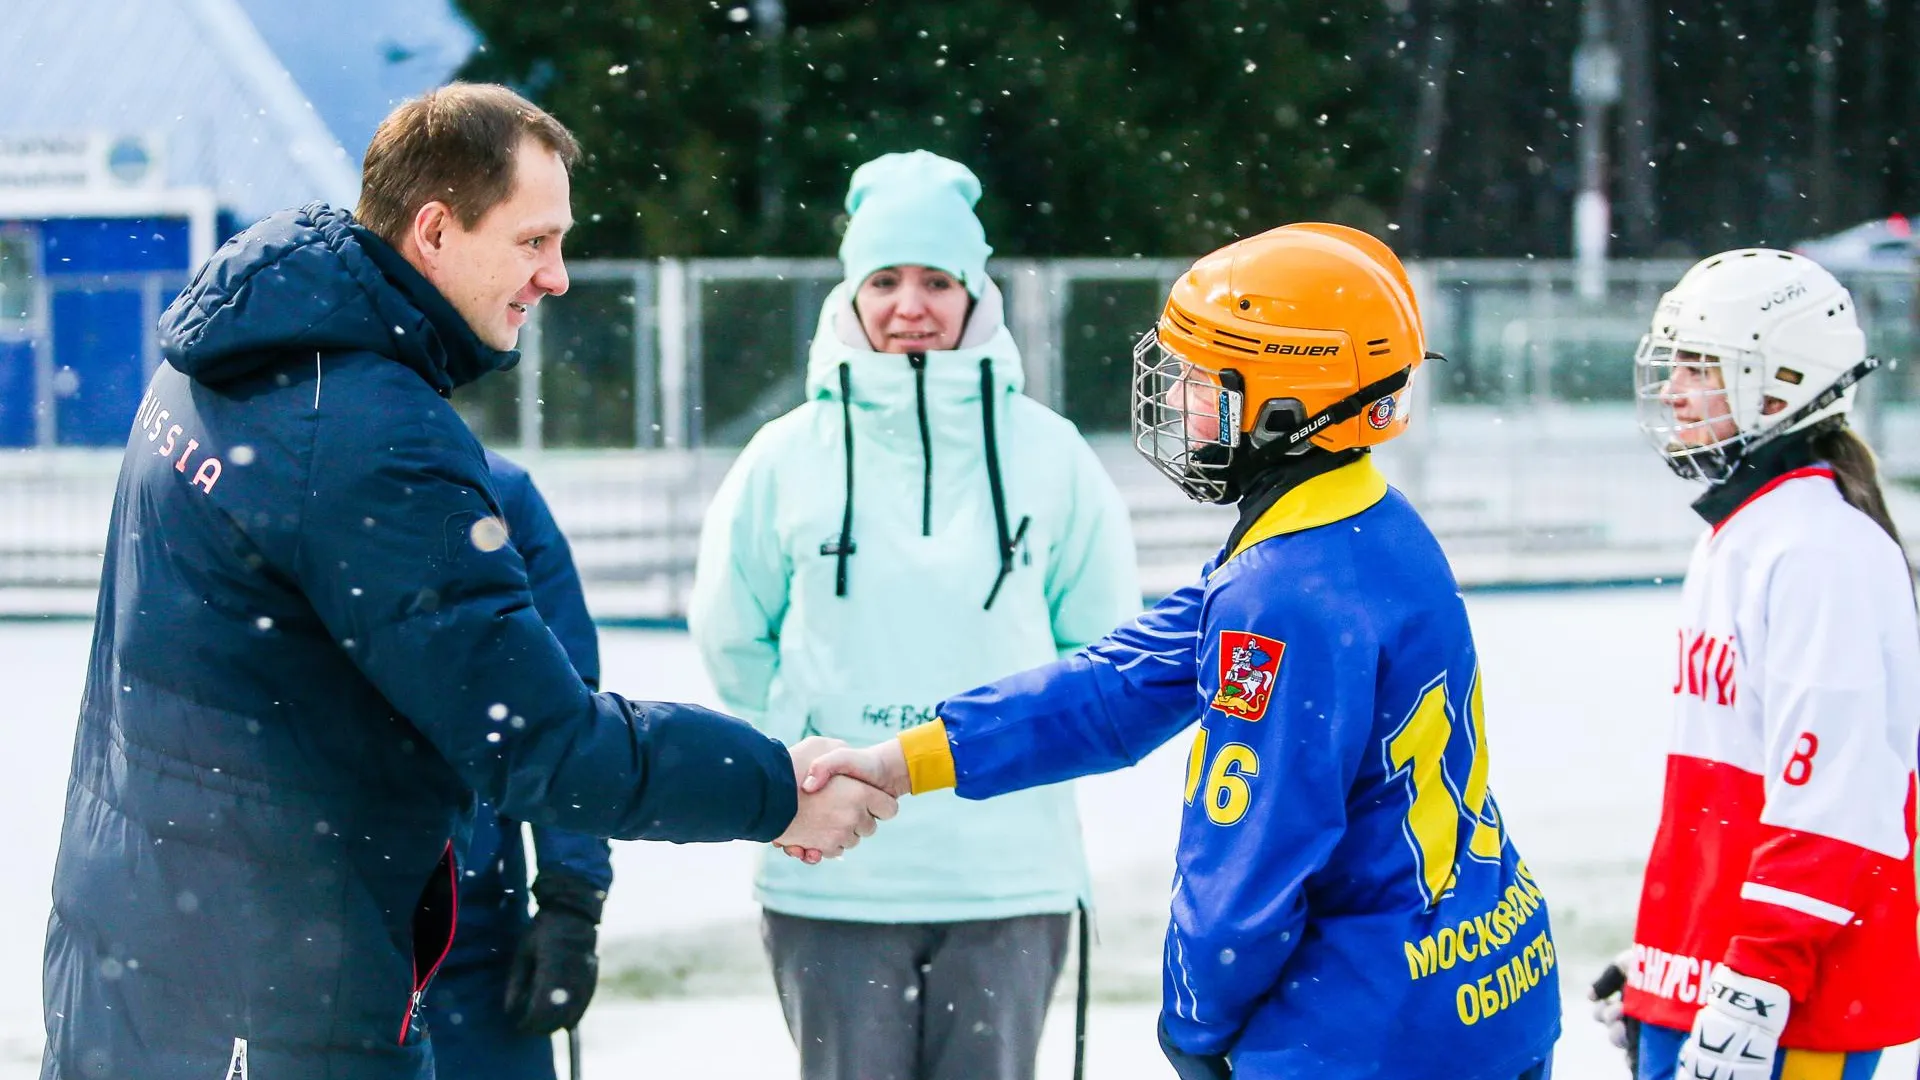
(453, 145)
(1854, 470)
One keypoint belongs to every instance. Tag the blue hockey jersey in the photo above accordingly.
(1346, 902)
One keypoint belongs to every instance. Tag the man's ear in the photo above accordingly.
(1770, 405)
(430, 226)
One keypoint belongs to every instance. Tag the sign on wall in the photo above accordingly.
(93, 161)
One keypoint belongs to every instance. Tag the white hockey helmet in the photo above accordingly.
(1740, 329)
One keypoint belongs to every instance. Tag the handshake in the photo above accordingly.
(845, 794)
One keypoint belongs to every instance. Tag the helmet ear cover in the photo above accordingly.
(1278, 418)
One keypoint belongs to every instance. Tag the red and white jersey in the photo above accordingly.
(1785, 848)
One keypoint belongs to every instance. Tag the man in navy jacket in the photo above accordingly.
(509, 982)
(314, 644)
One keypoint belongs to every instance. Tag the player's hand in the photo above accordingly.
(833, 816)
(1607, 993)
(1736, 1034)
(883, 765)
(809, 750)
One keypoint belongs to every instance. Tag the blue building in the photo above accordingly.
(137, 136)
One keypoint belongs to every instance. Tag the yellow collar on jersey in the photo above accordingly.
(1323, 500)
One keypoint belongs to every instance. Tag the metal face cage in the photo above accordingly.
(1683, 406)
(1186, 419)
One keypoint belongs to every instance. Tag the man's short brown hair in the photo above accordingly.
(453, 145)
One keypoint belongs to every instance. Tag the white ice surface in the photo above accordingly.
(1576, 695)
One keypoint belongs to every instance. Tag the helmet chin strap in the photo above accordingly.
(1820, 401)
(1345, 409)
(1256, 452)
(1266, 453)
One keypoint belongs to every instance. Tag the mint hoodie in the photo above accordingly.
(817, 613)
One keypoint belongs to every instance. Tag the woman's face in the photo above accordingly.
(911, 309)
(1697, 395)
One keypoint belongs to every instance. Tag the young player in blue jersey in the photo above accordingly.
(1346, 901)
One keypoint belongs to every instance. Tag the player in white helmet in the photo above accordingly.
(1776, 933)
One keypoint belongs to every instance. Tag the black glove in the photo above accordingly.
(1622, 1030)
(555, 968)
(1188, 1066)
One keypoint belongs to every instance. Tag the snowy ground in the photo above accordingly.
(1576, 687)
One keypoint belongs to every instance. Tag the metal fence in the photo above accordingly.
(698, 353)
(637, 387)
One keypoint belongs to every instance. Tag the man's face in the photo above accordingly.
(494, 273)
(1696, 392)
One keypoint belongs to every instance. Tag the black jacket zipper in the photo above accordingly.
(919, 362)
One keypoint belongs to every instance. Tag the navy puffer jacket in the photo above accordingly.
(313, 647)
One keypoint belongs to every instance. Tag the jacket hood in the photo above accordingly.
(313, 279)
(935, 388)
(885, 380)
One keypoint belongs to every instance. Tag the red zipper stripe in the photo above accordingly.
(453, 925)
(1791, 474)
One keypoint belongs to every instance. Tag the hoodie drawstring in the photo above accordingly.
(1007, 544)
(919, 362)
(842, 547)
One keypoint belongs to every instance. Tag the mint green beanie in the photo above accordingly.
(915, 209)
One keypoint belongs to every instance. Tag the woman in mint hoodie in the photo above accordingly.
(916, 528)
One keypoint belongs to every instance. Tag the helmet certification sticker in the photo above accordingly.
(1228, 412)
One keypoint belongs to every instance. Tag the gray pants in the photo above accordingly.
(916, 1001)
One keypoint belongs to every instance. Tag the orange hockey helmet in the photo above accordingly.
(1306, 335)
(1370, 245)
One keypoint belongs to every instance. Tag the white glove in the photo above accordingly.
(1609, 1010)
(1737, 1032)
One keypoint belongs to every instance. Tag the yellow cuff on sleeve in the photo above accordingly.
(929, 758)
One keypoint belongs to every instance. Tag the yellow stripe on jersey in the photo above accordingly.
(1812, 1065)
(929, 757)
(1323, 500)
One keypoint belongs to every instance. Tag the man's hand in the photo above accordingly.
(833, 815)
(1608, 1008)
(1737, 1032)
(555, 968)
(810, 749)
(883, 765)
